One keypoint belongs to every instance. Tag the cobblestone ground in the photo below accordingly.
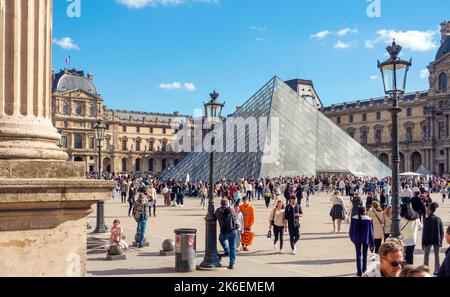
(320, 253)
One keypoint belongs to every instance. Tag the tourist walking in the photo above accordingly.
(362, 235)
(124, 190)
(338, 211)
(267, 196)
(293, 213)
(151, 194)
(240, 220)
(278, 223)
(387, 222)
(166, 194)
(131, 200)
(203, 195)
(432, 236)
(356, 203)
(141, 214)
(444, 270)
(248, 214)
(228, 225)
(410, 225)
(377, 216)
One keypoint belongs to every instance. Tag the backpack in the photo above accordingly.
(139, 212)
(227, 223)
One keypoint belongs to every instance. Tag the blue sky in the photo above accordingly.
(169, 55)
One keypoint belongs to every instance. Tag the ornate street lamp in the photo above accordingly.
(100, 128)
(394, 72)
(213, 111)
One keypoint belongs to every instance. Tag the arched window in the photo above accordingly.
(78, 141)
(79, 109)
(163, 164)
(124, 165)
(443, 82)
(66, 108)
(151, 165)
(138, 165)
(94, 110)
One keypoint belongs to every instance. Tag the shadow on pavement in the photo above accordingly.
(317, 262)
(320, 238)
(125, 272)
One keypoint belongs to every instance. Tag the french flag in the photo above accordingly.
(68, 60)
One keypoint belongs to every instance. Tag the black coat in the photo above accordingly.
(418, 206)
(433, 231)
(444, 271)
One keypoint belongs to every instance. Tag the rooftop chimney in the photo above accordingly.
(90, 76)
(445, 30)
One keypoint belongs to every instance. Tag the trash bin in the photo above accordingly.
(185, 250)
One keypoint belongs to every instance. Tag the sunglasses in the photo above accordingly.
(395, 264)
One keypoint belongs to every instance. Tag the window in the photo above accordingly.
(66, 125)
(124, 165)
(352, 134)
(424, 132)
(163, 146)
(163, 164)
(124, 145)
(94, 110)
(138, 145)
(441, 130)
(351, 119)
(124, 128)
(64, 141)
(364, 136)
(107, 126)
(378, 115)
(378, 136)
(66, 108)
(91, 143)
(409, 112)
(164, 131)
(338, 120)
(409, 134)
(78, 141)
(138, 129)
(364, 117)
(151, 145)
(443, 82)
(138, 165)
(151, 130)
(79, 109)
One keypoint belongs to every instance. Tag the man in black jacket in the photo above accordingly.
(444, 271)
(226, 217)
(432, 236)
(292, 214)
(418, 206)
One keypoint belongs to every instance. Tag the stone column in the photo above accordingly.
(44, 200)
(26, 129)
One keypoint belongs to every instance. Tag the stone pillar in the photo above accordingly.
(44, 200)
(26, 129)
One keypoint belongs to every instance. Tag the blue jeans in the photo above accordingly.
(141, 228)
(228, 242)
(361, 264)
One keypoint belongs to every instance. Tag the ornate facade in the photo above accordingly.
(135, 142)
(424, 123)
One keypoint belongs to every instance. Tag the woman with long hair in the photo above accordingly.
(377, 216)
(409, 226)
(278, 223)
(387, 222)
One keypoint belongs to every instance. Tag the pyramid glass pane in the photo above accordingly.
(306, 143)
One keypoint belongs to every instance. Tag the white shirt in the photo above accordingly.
(407, 193)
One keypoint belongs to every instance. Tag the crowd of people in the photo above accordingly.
(370, 219)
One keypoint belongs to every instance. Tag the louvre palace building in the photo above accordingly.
(135, 142)
(424, 123)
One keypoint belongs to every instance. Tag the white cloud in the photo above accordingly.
(424, 73)
(259, 39)
(421, 41)
(190, 87)
(66, 43)
(321, 35)
(171, 86)
(346, 31)
(374, 77)
(342, 45)
(178, 85)
(137, 4)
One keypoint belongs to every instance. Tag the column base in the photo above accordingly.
(43, 217)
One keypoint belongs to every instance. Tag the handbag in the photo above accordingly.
(269, 234)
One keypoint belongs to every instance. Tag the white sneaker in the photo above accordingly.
(281, 252)
(274, 247)
(294, 252)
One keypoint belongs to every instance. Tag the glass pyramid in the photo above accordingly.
(296, 138)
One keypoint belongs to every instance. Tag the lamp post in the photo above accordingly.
(395, 70)
(213, 110)
(100, 128)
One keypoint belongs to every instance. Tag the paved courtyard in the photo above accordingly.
(320, 252)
